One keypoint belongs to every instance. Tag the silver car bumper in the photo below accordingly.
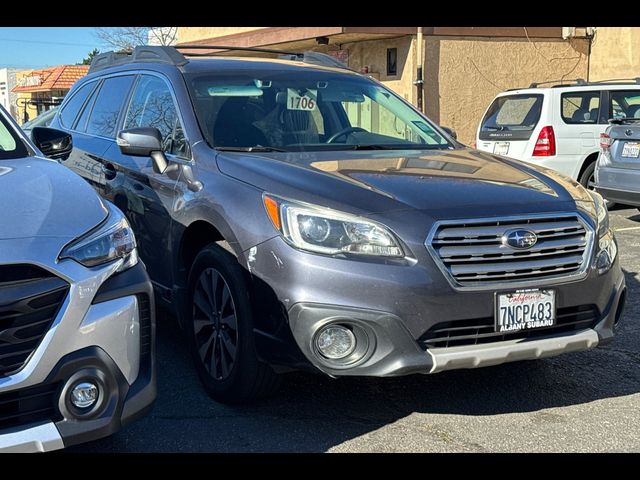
(509, 351)
(97, 329)
(620, 185)
(38, 438)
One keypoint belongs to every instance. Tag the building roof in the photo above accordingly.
(61, 77)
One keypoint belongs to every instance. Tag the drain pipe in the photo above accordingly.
(419, 83)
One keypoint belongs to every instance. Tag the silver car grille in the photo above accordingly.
(472, 254)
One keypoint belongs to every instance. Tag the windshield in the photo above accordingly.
(305, 110)
(10, 144)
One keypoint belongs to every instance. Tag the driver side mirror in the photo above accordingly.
(450, 131)
(144, 142)
(54, 144)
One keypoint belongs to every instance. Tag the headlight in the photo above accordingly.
(607, 248)
(322, 230)
(111, 242)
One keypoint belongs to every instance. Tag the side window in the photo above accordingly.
(104, 115)
(70, 111)
(152, 106)
(81, 124)
(624, 104)
(580, 107)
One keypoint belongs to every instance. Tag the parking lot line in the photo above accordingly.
(627, 229)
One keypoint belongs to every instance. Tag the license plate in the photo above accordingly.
(525, 310)
(501, 148)
(631, 149)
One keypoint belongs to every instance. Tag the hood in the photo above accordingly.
(377, 182)
(40, 198)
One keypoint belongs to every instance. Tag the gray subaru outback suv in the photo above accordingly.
(296, 214)
(76, 305)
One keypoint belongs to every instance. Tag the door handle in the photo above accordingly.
(109, 171)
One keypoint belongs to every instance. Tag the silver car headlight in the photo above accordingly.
(607, 247)
(323, 230)
(112, 241)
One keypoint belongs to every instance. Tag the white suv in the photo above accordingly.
(557, 127)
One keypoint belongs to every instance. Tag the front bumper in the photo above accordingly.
(394, 305)
(105, 329)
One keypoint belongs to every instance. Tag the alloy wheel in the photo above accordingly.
(215, 324)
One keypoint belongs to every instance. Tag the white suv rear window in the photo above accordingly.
(512, 116)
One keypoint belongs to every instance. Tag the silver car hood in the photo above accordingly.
(40, 198)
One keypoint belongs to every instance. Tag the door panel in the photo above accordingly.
(147, 199)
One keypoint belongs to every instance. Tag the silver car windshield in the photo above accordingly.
(306, 110)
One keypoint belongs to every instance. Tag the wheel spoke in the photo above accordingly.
(226, 297)
(205, 286)
(230, 321)
(206, 346)
(228, 345)
(213, 369)
(201, 302)
(198, 325)
(213, 286)
(223, 358)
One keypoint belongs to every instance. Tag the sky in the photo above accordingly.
(35, 47)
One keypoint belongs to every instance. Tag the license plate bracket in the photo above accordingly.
(524, 310)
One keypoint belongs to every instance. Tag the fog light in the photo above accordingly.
(335, 342)
(84, 395)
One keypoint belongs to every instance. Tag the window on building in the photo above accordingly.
(70, 111)
(580, 107)
(152, 106)
(392, 61)
(105, 112)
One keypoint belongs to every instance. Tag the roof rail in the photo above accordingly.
(156, 54)
(635, 80)
(578, 81)
(173, 56)
(220, 47)
(315, 58)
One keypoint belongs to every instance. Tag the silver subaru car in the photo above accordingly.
(76, 305)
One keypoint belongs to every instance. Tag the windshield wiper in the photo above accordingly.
(254, 149)
(399, 146)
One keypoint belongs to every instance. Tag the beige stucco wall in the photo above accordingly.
(615, 53)
(191, 34)
(462, 75)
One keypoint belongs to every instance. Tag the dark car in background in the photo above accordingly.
(296, 214)
(42, 120)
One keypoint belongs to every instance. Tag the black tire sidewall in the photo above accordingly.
(588, 171)
(237, 385)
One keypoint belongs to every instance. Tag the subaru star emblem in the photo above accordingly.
(519, 238)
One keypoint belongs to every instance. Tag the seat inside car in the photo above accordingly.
(233, 125)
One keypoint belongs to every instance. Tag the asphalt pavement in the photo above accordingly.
(578, 402)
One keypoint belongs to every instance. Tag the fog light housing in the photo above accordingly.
(84, 395)
(335, 342)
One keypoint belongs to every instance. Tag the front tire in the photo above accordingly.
(220, 331)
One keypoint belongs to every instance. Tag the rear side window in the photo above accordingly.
(512, 117)
(624, 104)
(152, 106)
(104, 115)
(580, 107)
(70, 110)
